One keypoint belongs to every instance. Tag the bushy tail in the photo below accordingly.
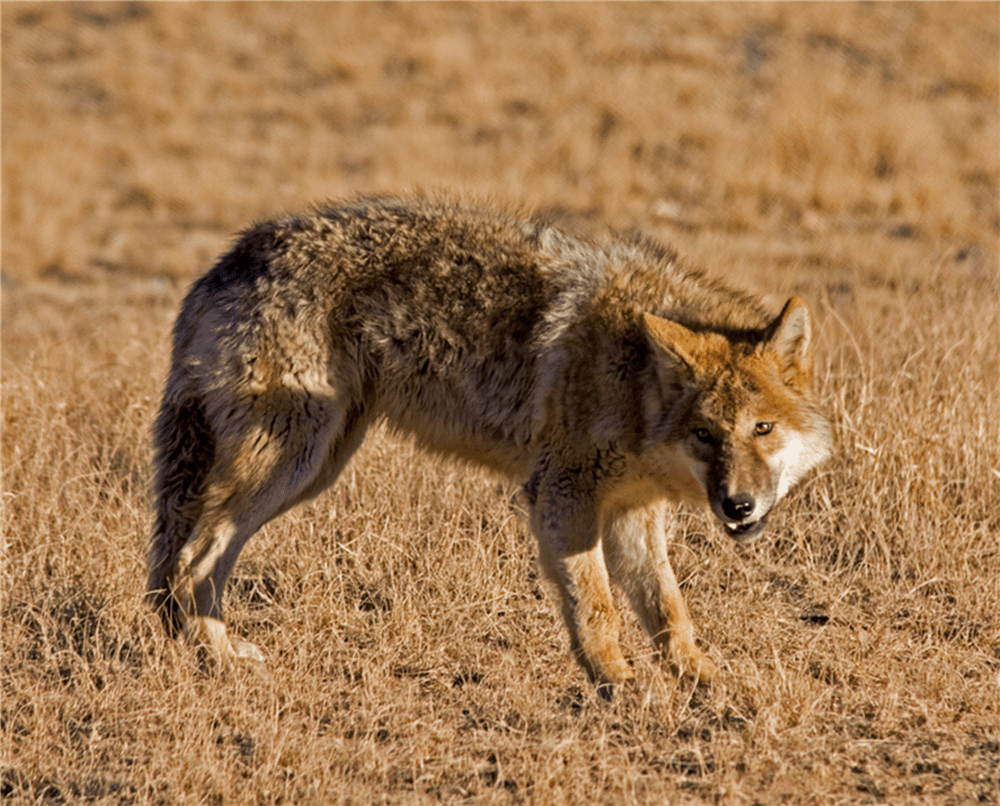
(184, 446)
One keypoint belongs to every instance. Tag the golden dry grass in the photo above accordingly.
(847, 153)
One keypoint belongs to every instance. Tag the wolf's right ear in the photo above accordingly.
(674, 339)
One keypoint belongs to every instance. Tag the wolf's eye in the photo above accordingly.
(761, 429)
(703, 434)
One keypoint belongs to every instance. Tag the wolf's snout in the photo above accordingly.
(739, 507)
(736, 511)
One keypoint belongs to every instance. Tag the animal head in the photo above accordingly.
(738, 414)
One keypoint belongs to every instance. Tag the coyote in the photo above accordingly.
(603, 375)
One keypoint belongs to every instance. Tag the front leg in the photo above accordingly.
(635, 540)
(565, 522)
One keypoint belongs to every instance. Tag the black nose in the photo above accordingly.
(739, 506)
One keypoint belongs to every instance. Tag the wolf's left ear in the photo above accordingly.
(790, 340)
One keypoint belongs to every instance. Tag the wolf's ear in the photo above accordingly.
(673, 338)
(790, 339)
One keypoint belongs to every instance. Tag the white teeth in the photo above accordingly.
(742, 528)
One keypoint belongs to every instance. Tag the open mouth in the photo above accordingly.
(744, 531)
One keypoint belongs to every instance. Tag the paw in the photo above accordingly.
(209, 636)
(611, 670)
(692, 662)
(614, 674)
(606, 673)
(246, 652)
(624, 687)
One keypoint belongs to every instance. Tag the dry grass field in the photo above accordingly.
(846, 153)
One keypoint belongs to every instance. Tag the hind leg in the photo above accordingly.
(204, 566)
(286, 457)
(184, 445)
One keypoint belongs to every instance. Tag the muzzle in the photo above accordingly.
(744, 532)
(735, 509)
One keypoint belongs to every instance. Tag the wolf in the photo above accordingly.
(602, 374)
